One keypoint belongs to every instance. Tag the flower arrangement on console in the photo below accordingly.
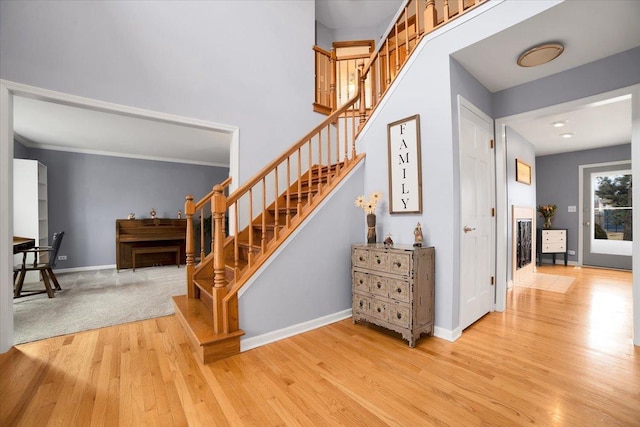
(547, 212)
(369, 207)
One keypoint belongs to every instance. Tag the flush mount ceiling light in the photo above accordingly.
(567, 135)
(558, 124)
(540, 55)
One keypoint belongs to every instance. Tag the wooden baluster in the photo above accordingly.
(236, 249)
(388, 66)
(333, 80)
(430, 16)
(202, 236)
(337, 145)
(276, 195)
(397, 49)
(250, 250)
(353, 131)
(406, 33)
(189, 209)
(346, 138)
(263, 240)
(299, 206)
(288, 215)
(446, 10)
(460, 7)
(329, 152)
(319, 162)
(309, 170)
(363, 110)
(219, 206)
(418, 30)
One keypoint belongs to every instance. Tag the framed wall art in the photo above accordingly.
(523, 172)
(405, 172)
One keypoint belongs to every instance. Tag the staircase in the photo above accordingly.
(266, 210)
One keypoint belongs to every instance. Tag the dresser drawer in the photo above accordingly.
(378, 309)
(360, 282)
(379, 261)
(554, 236)
(378, 285)
(361, 304)
(360, 258)
(553, 247)
(400, 263)
(399, 290)
(400, 315)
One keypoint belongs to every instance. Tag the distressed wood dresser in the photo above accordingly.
(394, 288)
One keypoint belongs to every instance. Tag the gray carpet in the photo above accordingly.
(95, 299)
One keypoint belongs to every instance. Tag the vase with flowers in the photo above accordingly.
(369, 207)
(547, 212)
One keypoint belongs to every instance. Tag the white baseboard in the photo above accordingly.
(273, 336)
(90, 268)
(447, 334)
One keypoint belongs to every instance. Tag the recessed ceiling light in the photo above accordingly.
(567, 135)
(541, 54)
(558, 124)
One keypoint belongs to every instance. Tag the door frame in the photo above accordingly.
(8, 90)
(462, 102)
(502, 196)
(581, 201)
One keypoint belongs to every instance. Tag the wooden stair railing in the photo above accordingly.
(387, 60)
(264, 211)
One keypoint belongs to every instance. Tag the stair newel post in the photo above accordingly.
(218, 209)
(430, 16)
(189, 209)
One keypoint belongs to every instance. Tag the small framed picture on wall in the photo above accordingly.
(523, 172)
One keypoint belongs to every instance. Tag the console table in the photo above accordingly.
(148, 242)
(393, 287)
(551, 241)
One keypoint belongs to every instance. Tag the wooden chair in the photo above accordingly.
(45, 268)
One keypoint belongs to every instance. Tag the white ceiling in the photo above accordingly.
(342, 14)
(55, 126)
(590, 30)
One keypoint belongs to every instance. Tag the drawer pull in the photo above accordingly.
(378, 261)
(379, 285)
(361, 304)
(361, 282)
(379, 310)
(399, 315)
(361, 258)
(397, 264)
(399, 290)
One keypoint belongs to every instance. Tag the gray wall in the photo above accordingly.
(87, 193)
(607, 74)
(311, 278)
(557, 182)
(518, 194)
(424, 87)
(221, 61)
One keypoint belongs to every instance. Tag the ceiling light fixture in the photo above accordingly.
(567, 135)
(540, 54)
(558, 124)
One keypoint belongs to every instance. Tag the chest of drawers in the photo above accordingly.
(552, 242)
(394, 288)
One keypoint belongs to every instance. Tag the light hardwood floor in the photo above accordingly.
(550, 359)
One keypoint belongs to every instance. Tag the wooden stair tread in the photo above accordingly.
(200, 320)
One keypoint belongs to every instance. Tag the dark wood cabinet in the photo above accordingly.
(150, 233)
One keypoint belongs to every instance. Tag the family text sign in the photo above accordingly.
(405, 175)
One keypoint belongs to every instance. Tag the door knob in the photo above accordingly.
(468, 229)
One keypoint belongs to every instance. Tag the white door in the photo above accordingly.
(477, 202)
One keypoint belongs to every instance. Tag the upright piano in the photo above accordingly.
(149, 233)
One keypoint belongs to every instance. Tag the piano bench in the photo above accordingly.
(155, 250)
